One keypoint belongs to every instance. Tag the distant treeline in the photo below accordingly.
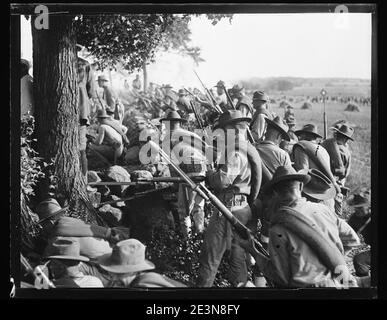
(288, 83)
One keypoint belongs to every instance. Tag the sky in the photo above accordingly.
(265, 45)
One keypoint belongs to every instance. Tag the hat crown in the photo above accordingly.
(283, 171)
(318, 180)
(260, 95)
(345, 129)
(173, 115)
(128, 252)
(220, 83)
(102, 113)
(47, 208)
(310, 127)
(231, 116)
(280, 122)
(65, 247)
(237, 88)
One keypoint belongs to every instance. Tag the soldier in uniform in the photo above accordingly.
(289, 112)
(272, 157)
(231, 182)
(221, 98)
(288, 145)
(338, 150)
(309, 154)
(360, 221)
(183, 104)
(186, 149)
(86, 91)
(258, 123)
(302, 235)
(169, 103)
(243, 102)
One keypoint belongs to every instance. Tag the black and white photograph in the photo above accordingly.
(193, 147)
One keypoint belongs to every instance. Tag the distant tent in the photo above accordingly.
(307, 105)
(352, 107)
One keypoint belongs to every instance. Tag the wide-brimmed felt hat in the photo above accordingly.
(359, 200)
(285, 173)
(319, 187)
(345, 129)
(280, 125)
(220, 84)
(167, 86)
(308, 128)
(102, 77)
(260, 96)
(173, 116)
(230, 116)
(237, 88)
(182, 92)
(47, 209)
(65, 249)
(102, 113)
(127, 256)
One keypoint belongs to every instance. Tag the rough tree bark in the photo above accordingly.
(55, 92)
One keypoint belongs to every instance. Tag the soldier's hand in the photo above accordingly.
(248, 244)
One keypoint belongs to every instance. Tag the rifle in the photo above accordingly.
(196, 115)
(215, 108)
(140, 181)
(208, 196)
(41, 280)
(208, 94)
(249, 134)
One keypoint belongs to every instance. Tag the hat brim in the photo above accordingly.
(316, 194)
(173, 119)
(52, 215)
(76, 258)
(298, 132)
(299, 177)
(338, 131)
(105, 263)
(284, 134)
(221, 125)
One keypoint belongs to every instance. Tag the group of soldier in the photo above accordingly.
(287, 186)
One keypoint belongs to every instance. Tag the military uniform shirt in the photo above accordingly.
(273, 156)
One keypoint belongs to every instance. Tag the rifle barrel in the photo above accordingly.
(207, 195)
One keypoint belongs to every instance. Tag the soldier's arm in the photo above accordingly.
(101, 136)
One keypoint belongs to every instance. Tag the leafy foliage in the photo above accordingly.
(131, 40)
(31, 166)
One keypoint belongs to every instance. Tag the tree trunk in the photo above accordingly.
(145, 75)
(56, 98)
